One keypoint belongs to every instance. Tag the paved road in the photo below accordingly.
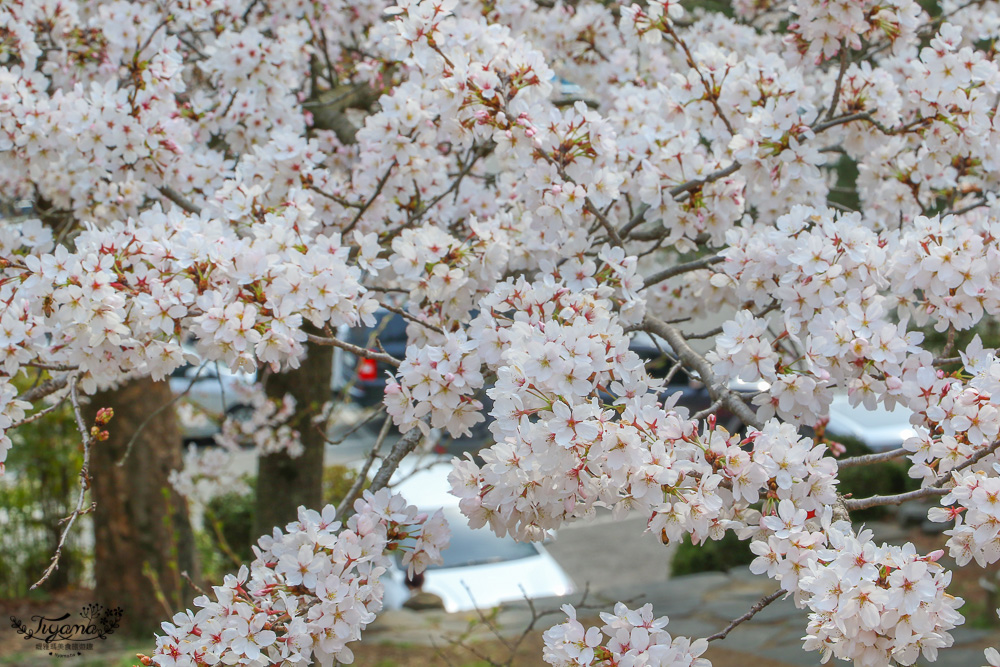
(591, 551)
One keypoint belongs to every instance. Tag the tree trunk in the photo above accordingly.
(284, 483)
(143, 538)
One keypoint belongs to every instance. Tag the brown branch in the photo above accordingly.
(686, 267)
(403, 446)
(692, 359)
(378, 190)
(840, 79)
(179, 199)
(852, 504)
(710, 92)
(362, 477)
(866, 459)
(38, 415)
(763, 602)
(354, 349)
(971, 461)
(50, 386)
(402, 313)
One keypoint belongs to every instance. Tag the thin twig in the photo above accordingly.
(710, 92)
(840, 79)
(406, 315)
(187, 578)
(763, 602)
(88, 441)
(477, 153)
(378, 190)
(38, 415)
(357, 427)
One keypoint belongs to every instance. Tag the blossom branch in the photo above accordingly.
(355, 349)
(844, 60)
(180, 200)
(38, 415)
(371, 200)
(47, 387)
(710, 91)
(403, 446)
(852, 504)
(694, 360)
(971, 461)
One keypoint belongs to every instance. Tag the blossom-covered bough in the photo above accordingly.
(232, 171)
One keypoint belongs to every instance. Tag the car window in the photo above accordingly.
(391, 328)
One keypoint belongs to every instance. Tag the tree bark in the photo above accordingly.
(143, 538)
(284, 483)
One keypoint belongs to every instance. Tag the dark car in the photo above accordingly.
(362, 381)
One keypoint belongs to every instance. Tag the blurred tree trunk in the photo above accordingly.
(143, 539)
(284, 483)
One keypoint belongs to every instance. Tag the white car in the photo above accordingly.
(880, 430)
(480, 569)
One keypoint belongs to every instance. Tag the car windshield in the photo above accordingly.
(477, 547)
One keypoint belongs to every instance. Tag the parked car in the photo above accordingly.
(211, 392)
(364, 379)
(480, 569)
(879, 430)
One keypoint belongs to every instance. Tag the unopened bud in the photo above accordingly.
(104, 415)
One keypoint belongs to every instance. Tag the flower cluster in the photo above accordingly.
(310, 591)
(538, 181)
(628, 637)
(578, 423)
(870, 604)
(976, 534)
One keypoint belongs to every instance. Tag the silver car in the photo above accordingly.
(480, 569)
(880, 430)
